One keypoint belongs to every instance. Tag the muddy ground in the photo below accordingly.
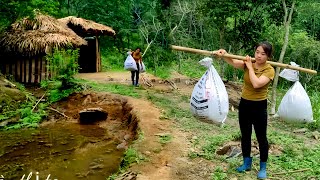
(170, 161)
(66, 149)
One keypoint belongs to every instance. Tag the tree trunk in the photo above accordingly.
(287, 22)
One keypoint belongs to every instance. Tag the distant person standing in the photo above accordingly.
(136, 54)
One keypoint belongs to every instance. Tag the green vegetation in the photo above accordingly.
(131, 156)
(126, 90)
(164, 139)
(25, 114)
(295, 153)
(31, 112)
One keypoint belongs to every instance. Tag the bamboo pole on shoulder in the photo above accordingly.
(213, 53)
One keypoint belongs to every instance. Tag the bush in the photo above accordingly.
(63, 65)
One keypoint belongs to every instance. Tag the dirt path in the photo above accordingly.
(161, 158)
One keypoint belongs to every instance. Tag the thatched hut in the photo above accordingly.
(24, 45)
(90, 57)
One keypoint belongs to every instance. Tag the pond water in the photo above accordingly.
(61, 150)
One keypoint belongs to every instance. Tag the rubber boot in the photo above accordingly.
(246, 166)
(263, 171)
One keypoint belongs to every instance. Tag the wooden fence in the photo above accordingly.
(27, 71)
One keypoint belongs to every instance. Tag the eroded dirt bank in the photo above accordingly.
(65, 149)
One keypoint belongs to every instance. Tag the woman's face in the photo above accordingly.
(260, 56)
(137, 50)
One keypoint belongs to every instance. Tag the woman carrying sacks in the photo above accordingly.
(253, 103)
(136, 54)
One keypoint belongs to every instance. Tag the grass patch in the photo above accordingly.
(297, 157)
(219, 174)
(174, 112)
(162, 72)
(125, 90)
(315, 102)
(164, 139)
(296, 154)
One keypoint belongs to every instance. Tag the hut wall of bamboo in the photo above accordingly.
(27, 71)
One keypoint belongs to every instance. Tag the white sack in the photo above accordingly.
(130, 64)
(290, 74)
(209, 100)
(295, 106)
(142, 67)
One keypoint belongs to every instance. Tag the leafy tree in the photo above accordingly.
(11, 10)
(308, 17)
(241, 23)
(286, 22)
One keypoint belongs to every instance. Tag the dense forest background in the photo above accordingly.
(153, 25)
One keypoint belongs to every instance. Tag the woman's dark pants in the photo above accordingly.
(135, 74)
(253, 113)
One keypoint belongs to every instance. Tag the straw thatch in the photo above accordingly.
(43, 23)
(31, 43)
(29, 37)
(84, 26)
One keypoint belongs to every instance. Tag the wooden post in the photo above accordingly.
(97, 54)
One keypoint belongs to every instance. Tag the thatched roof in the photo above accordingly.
(43, 33)
(29, 37)
(32, 43)
(84, 26)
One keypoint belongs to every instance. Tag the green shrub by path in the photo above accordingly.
(112, 60)
(131, 156)
(28, 114)
(64, 65)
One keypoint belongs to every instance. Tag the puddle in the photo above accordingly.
(67, 149)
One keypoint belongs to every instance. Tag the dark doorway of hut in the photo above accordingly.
(90, 60)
